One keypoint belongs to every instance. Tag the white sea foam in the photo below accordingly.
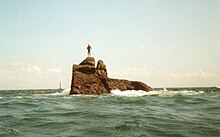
(17, 97)
(164, 92)
(133, 93)
(63, 93)
(181, 92)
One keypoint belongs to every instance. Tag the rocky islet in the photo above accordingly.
(90, 79)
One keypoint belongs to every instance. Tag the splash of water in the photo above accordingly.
(164, 92)
(133, 93)
(63, 93)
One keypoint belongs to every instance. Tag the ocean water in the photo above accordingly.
(171, 112)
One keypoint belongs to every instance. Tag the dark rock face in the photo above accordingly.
(88, 79)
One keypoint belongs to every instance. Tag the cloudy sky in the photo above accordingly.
(164, 43)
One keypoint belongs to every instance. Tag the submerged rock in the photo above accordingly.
(88, 79)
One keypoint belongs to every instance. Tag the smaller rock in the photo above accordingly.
(87, 69)
(101, 69)
(141, 86)
(88, 61)
(101, 65)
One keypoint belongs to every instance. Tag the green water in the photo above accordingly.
(191, 112)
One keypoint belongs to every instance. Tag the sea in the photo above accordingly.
(165, 112)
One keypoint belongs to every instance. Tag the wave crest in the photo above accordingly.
(164, 92)
(63, 93)
(133, 93)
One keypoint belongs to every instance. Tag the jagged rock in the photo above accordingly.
(101, 65)
(101, 69)
(88, 61)
(88, 79)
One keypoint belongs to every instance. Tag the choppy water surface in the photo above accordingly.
(186, 112)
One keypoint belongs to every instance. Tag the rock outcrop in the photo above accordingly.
(88, 79)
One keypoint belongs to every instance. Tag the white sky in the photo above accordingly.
(164, 43)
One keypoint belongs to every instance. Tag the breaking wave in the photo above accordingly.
(63, 93)
(66, 92)
(164, 92)
(134, 93)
